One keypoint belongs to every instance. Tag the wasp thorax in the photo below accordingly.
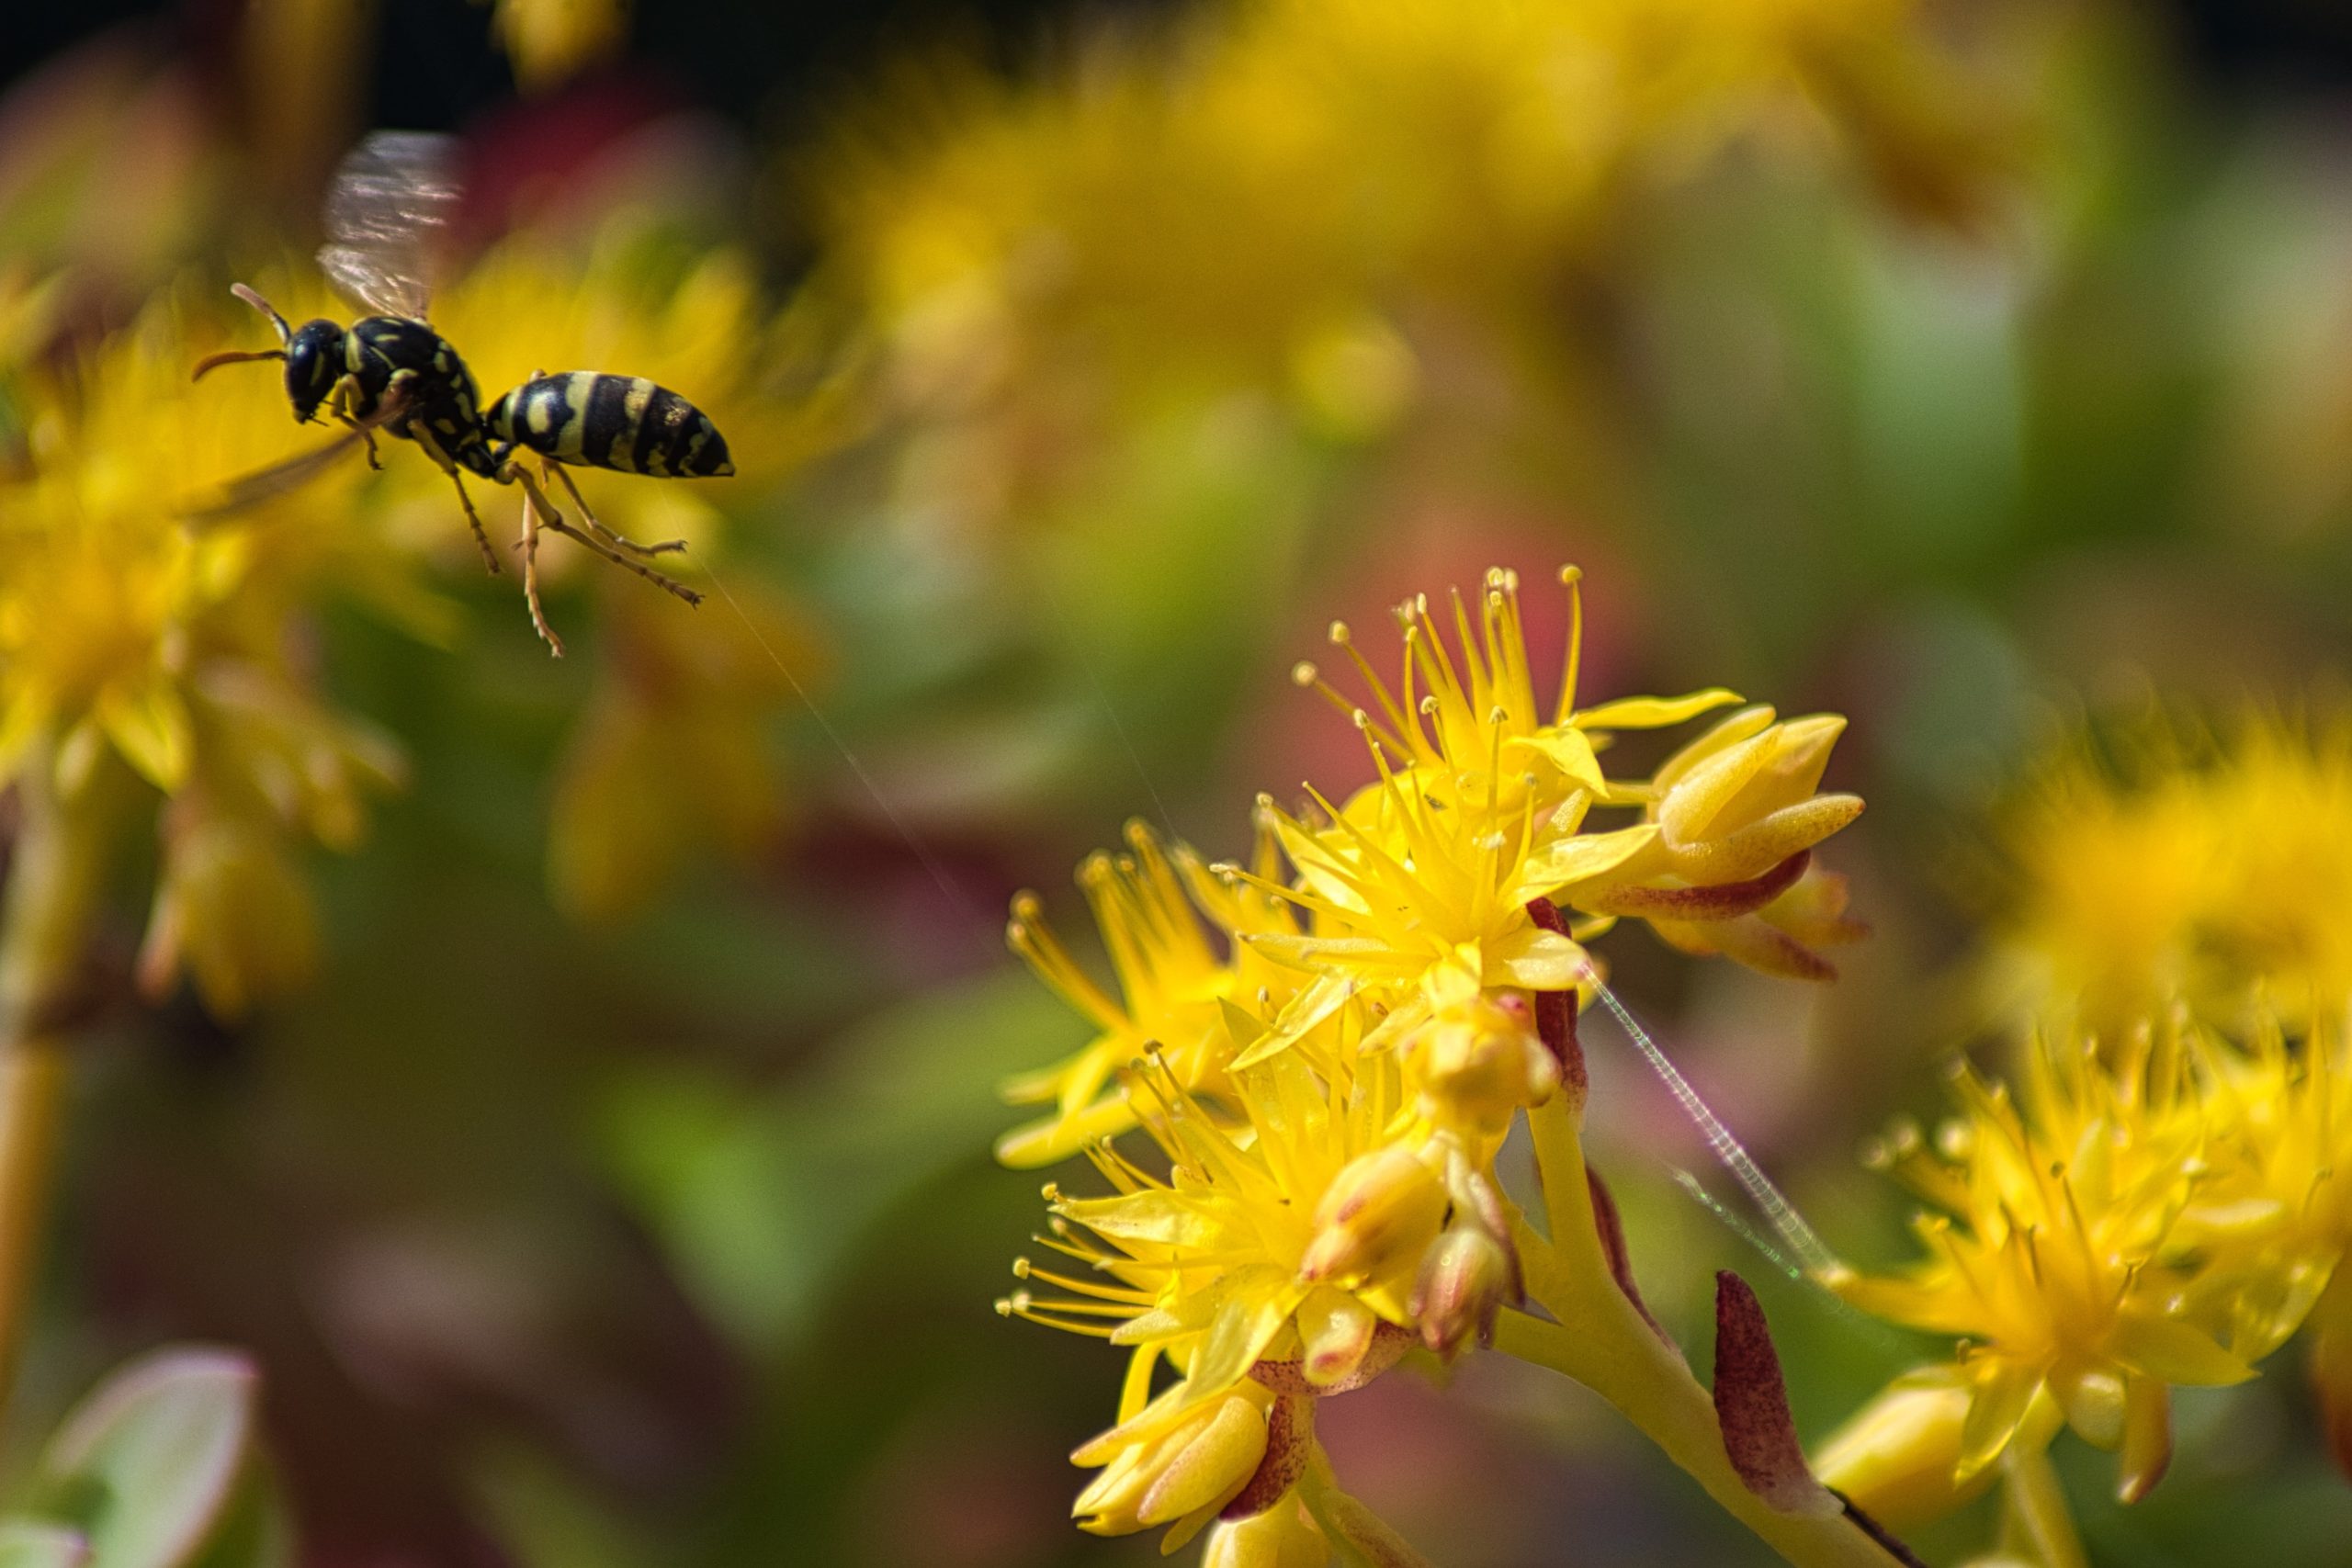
(313, 364)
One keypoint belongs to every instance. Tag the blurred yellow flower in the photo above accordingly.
(126, 633)
(1048, 272)
(553, 40)
(2174, 866)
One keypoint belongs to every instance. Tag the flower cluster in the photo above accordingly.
(1328, 1046)
(2162, 1203)
(2164, 1213)
(1047, 273)
(132, 644)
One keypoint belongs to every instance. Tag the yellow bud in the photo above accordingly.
(1158, 1477)
(1375, 1217)
(1281, 1538)
(1898, 1455)
(1479, 1062)
(1465, 1281)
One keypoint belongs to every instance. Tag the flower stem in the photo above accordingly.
(1603, 1341)
(53, 876)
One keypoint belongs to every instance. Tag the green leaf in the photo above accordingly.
(149, 1466)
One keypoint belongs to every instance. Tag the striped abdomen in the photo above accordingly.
(611, 421)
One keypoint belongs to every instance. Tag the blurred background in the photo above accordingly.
(616, 1192)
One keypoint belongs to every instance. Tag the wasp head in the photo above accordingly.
(313, 364)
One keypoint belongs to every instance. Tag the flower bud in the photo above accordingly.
(1898, 1456)
(1281, 1537)
(1159, 1470)
(1478, 1062)
(1375, 1217)
(1465, 1281)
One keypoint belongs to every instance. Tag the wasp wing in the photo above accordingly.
(387, 214)
(249, 490)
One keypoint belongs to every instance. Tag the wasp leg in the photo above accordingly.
(425, 438)
(530, 547)
(554, 523)
(345, 393)
(631, 546)
(473, 518)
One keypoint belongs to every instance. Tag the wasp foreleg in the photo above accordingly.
(339, 403)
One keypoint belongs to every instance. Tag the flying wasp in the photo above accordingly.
(388, 211)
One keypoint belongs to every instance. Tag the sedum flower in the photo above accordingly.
(1177, 980)
(1293, 1236)
(1330, 1046)
(2059, 1256)
(130, 641)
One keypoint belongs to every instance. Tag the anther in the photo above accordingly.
(1021, 1269)
(1340, 634)
(1304, 673)
(1570, 576)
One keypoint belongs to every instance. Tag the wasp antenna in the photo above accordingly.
(233, 356)
(285, 333)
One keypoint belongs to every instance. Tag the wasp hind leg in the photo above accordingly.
(553, 521)
(631, 546)
(529, 546)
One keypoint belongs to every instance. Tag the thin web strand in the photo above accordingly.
(1039, 573)
(922, 851)
(1804, 1243)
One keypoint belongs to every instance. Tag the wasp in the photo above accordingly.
(386, 210)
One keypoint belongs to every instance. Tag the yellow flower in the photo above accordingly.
(2167, 865)
(125, 632)
(2059, 1256)
(1176, 1462)
(2274, 1214)
(1330, 1046)
(1898, 1457)
(1411, 176)
(1263, 1267)
(1293, 1235)
(1177, 983)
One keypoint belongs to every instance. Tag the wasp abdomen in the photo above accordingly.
(612, 421)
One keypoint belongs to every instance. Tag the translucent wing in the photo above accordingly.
(387, 215)
(249, 490)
